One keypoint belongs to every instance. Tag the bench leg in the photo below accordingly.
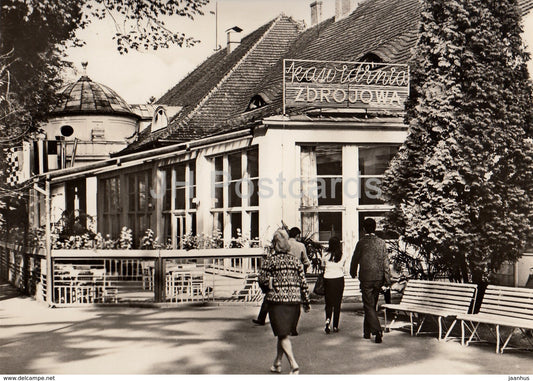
(462, 332)
(440, 327)
(450, 330)
(507, 340)
(385, 317)
(474, 329)
(497, 338)
(411, 320)
(421, 324)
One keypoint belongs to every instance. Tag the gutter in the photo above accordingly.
(61, 175)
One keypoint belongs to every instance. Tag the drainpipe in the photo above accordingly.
(47, 237)
(48, 243)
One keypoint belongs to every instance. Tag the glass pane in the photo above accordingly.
(329, 225)
(168, 189)
(254, 225)
(236, 225)
(219, 194)
(192, 194)
(235, 194)
(253, 163)
(370, 191)
(180, 198)
(107, 194)
(254, 193)
(180, 175)
(374, 160)
(115, 189)
(192, 228)
(329, 159)
(219, 169)
(131, 193)
(218, 222)
(235, 166)
(143, 202)
(167, 229)
(192, 173)
(329, 191)
(379, 217)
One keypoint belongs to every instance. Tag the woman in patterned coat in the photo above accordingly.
(283, 275)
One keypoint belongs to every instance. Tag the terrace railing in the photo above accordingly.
(161, 276)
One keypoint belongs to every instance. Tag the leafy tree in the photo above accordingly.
(461, 185)
(33, 37)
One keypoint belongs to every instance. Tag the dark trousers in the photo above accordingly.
(263, 312)
(370, 291)
(334, 288)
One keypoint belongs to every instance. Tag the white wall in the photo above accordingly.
(279, 158)
(116, 128)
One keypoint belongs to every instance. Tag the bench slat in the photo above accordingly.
(497, 320)
(509, 304)
(514, 312)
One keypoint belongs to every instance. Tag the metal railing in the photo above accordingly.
(144, 276)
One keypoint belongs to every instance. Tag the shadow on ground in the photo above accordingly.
(219, 340)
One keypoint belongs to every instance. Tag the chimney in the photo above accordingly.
(316, 12)
(344, 7)
(232, 44)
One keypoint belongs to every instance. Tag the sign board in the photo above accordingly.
(368, 85)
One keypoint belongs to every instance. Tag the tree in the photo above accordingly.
(461, 185)
(33, 37)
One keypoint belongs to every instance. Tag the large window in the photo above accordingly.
(373, 162)
(126, 201)
(111, 211)
(235, 207)
(179, 204)
(140, 203)
(321, 190)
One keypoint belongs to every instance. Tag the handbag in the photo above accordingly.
(319, 285)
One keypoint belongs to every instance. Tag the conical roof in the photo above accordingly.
(87, 97)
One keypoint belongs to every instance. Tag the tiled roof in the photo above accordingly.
(525, 6)
(222, 84)
(87, 97)
(214, 96)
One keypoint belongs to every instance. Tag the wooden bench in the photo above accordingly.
(501, 306)
(437, 300)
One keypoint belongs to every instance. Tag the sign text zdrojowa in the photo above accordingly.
(366, 85)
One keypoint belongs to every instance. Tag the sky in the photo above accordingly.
(137, 76)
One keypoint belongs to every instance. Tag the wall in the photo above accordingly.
(279, 159)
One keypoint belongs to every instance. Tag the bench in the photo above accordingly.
(437, 300)
(510, 307)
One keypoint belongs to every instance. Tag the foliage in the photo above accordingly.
(406, 258)
(314, 251)
(125, 240)
(140, 25)
(461, 184)
(33, 37)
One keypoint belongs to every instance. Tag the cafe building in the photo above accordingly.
(291, 124)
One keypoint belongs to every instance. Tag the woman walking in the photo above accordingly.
(333, 282)
(283, 275)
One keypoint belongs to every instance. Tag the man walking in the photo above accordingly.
(297, 248)
(370, 255)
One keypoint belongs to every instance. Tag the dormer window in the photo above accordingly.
(160, 119)
(370, 57)
(257, 101)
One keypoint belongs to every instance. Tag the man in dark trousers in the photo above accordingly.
(370, 255)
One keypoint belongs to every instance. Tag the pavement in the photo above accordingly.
(219, 339)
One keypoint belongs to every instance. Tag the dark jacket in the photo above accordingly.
(371, 256)
(288, 279)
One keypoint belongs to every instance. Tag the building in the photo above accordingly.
(291, 124)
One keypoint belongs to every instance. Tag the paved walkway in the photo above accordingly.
(35, 339)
